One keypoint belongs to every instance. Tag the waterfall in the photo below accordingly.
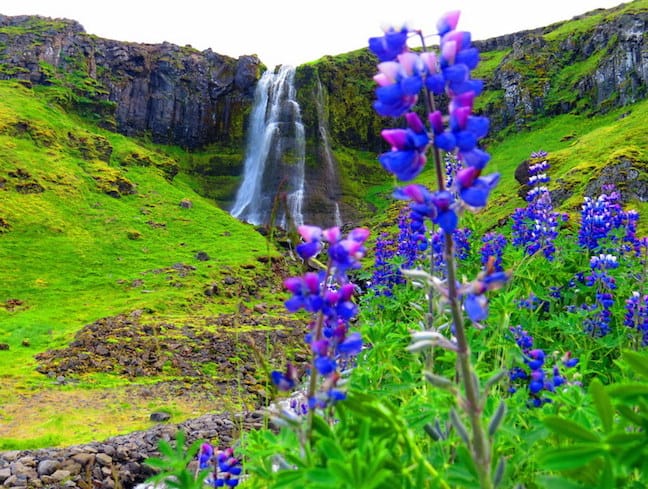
(274, 166)
(330, 165)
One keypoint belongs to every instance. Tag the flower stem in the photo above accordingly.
(480, 444)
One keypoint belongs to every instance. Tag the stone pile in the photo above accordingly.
(117, 462)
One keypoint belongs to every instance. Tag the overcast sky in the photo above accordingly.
(292, 31)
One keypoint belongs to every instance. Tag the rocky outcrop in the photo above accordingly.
(118, 461)
(555, 70)
(175, 94)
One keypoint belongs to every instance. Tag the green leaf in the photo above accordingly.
(602, 404)
(637, 361)
(569, 429)
(623, 438)
(288, 478)
(571, 457)
(322, 427)
(629, 390)
(558, 483)
(321, 476)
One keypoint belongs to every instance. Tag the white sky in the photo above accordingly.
(293, 31)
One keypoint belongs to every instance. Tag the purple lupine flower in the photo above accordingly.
(602, 219)
(285, 381)
(598, 324)
(535, 227)
(535, 377)
(205, 455)
(493, 250)
(474, 293)
(400, 79)
(226, 468)
(407, 156)
(229, 469)
(393, 43)
(636, 317)
(411, 238)
(461, 239)
(329, 295)
(399, 83)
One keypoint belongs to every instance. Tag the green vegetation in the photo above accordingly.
(95, 224)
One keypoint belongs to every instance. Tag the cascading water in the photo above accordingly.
(331, 179)
(274, 169)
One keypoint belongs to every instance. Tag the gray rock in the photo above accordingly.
(48, 467)
(104, 460)
(5, 473)
(160, 417)
(60, 475)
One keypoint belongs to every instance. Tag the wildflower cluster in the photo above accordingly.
(535, 227)
(636, 317)
(328, 295)
(225, 468)
(390, 257)
(461, 238)
(599, 323)
(402, 75)
(603, 218)
(493, 250)
(536, 376)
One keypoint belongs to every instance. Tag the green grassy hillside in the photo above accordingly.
(94, 224)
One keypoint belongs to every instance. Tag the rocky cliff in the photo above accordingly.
(175, 94)
(592, 63)
(183, 96)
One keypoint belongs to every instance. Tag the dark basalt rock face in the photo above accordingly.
(178, 95)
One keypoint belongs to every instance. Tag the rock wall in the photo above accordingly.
(175, 94)
(118, 461)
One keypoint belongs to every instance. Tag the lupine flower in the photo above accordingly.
(393, 43)
(461, 239)
(285, 381)
(328, 295)
(229, 469)
(452, 166)
(535, 227)
(474, 293)
(401, 75)
(407, 156)
(226, 468)
(493, 250)
(411, 237)
(636, 316)
(598, 324)
(602, 219)
(535, 376)
(437, 206)
(205, 455)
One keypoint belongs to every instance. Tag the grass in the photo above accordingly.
(575, 143)
(106, 235)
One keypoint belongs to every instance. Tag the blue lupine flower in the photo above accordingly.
(393, 43)
(407, 156)
(205, 455)
(493, 250)
(602, 219)
(536, 379)
(598, 324)
(636, 317)
(329, 295)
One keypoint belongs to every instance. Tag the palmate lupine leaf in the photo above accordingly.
(569, 429)
(637, 361)
(602, 404)
(571, 457)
